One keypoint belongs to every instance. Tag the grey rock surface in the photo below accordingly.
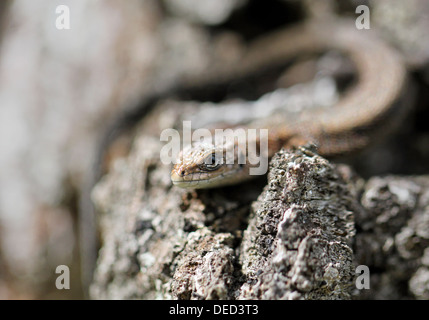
(299, 236)
(393, 237)
(298, 241)
(59, 88)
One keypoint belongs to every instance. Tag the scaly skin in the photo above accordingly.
(362, 114)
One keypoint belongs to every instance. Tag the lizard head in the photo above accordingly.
(205, 165)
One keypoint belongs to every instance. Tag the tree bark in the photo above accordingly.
(299, 236)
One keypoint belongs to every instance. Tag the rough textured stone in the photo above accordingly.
(59, 88)
(297, 245)
(301, 236)
(293, 240)
(393, 237)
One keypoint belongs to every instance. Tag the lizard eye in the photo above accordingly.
(210, 163)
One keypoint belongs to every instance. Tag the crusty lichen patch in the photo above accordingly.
(298, 242)
(299, 236)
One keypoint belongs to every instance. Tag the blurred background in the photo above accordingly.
(58, 88)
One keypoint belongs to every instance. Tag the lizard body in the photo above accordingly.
(367, 110)
(364, 112)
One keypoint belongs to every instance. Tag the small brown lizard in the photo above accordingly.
(366, 111)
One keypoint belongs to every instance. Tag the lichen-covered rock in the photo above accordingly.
(298, 243)
(301, 236)
(164, 242)
(394, 237)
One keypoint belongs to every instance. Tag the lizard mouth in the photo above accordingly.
(201, 180)
(183, 181)
(189, 181)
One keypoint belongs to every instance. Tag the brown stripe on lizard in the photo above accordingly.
(364, 112)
